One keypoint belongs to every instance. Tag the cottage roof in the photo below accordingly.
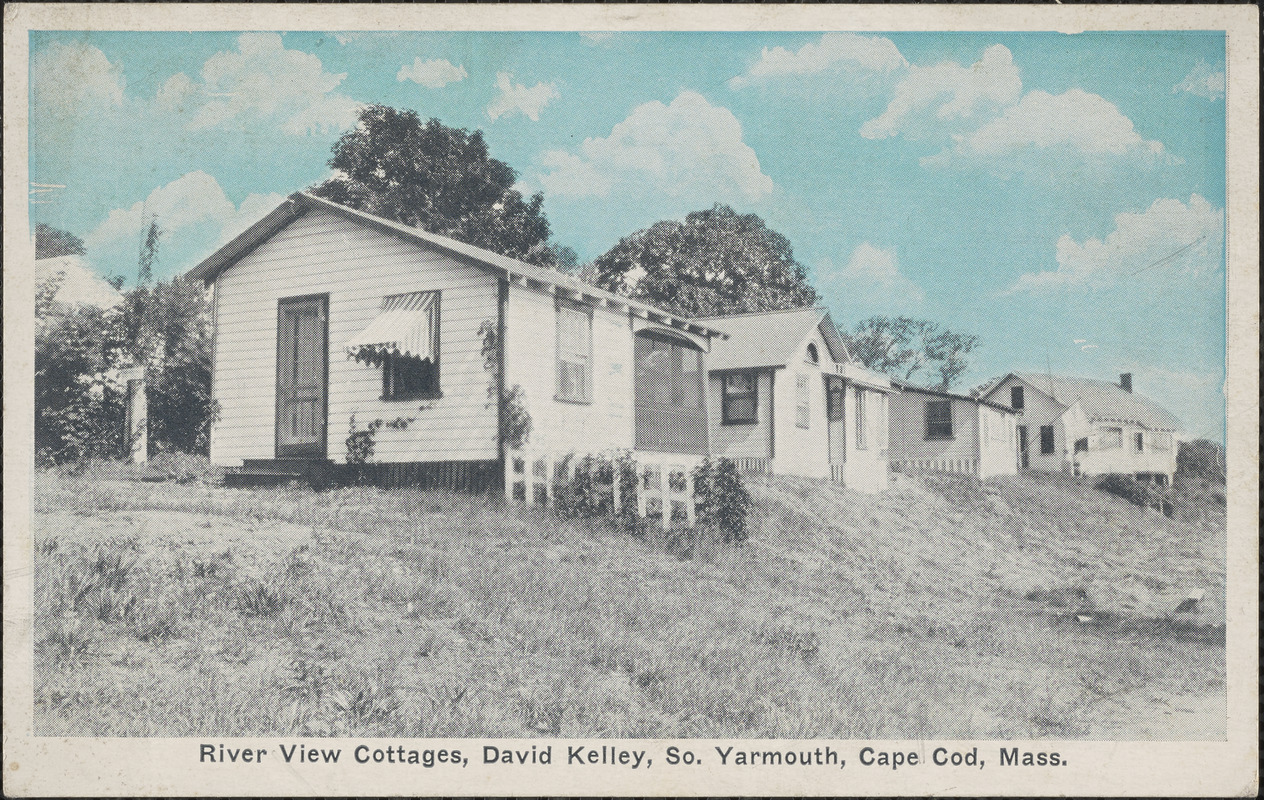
(770, 338)
(1101, 400)
(300, 203)
(905, 386)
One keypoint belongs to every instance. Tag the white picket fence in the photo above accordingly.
(664, 481)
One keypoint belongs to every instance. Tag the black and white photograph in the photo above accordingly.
(804, 406)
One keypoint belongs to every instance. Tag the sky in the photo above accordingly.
(1060, 196)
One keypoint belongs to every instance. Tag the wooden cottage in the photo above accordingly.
(328, 319)
(950, 432)
(785, 397)
(1087, 426)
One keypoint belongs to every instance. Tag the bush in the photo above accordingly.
(722, 500)
(1201, 458)
(1135, 492)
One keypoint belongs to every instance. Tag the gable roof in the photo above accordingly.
(905, 386)
(300, 203)
(1099, 399)
(771, 338)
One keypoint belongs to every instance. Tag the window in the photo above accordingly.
(574, 354)
(813, 357)
(938, 419)
(1081, 445)
(1046, 439)
(740, 399)
(1138, 442)
(802, 403)
(408, 378)
(1016, 398)
(1112, 438)
(862, 422)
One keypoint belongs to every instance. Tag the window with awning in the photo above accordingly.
(404, 340)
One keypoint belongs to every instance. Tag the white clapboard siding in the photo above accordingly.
(356, 266)
(531, 351)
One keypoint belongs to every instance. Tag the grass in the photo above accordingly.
(944, 608)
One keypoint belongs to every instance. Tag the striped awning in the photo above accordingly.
(407, 325)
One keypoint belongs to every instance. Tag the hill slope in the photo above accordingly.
(942, 608)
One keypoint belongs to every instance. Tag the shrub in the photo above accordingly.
(1201, 458)
(1135, 492)
(722, 500)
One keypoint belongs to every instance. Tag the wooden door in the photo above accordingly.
(302, 374)
(835, 396)
(1022, 446)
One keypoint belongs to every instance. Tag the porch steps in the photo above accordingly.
(279, 471)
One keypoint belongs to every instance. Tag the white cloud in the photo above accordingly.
(689, 149)
(516, 97)
(193, 214)
(596, 37)
(871, 276)
(1203, 81)
(262, 83)
(433, 74)
(1169, 238)
(870, 53)
(1075, 119)
(929, 97)
(69, 79)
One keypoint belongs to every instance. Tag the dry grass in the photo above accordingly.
(186, 609)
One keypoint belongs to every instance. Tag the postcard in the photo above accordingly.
(630, 400)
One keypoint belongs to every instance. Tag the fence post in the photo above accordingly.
(642, 501)
(691, 513)
(664, 484)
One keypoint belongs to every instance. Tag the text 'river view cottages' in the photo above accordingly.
(476, 371)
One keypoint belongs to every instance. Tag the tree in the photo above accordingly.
(53, 242)
(1201, 458)
(148, 253)
(904, 346)
(440, 179)
(715, 262)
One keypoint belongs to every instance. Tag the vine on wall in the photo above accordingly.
(515, 420)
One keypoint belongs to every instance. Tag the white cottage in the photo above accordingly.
(950, 432)
(785, 397)
(1088, 427)
(324, 314)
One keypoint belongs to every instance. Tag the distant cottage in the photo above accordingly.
(950, 432)
(786, 397)
(1088, 427)
(323, 313)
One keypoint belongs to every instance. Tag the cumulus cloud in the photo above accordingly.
(1075, 119)
(596, 37)
(193, 214)
(1169, 238)
(1203, 81)
(834, 50)
(261, 83)
(689, 149)
(433, 74)
(74, 78)
(948, 91)
(872, 275)
(514, 97)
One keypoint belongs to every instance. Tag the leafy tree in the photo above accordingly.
(53, 242)
(904, 346)
(440, 179)
(148, 253)
(715, 262)
(1201, 458)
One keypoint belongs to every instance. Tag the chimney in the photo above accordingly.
(1125, 382)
